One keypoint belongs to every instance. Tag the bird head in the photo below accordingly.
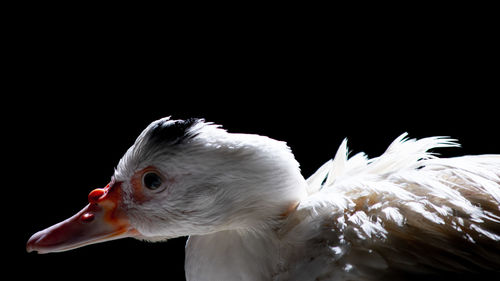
(184, 177)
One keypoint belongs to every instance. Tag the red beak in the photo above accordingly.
(101, 220)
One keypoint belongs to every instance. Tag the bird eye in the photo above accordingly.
(151, 180)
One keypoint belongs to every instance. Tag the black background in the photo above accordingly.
(80, 85)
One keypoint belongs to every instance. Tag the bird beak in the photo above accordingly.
(101, 220)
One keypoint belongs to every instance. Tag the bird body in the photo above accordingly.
(404, 213)
(250, 214)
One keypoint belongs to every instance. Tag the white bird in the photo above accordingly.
(250, 214)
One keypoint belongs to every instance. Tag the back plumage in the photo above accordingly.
(403, 215)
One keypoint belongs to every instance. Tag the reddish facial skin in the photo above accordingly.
(137, 185)
(138, 194)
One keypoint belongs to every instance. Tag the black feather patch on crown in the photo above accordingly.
(173, 131)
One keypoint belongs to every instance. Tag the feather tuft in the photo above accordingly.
(402, 153)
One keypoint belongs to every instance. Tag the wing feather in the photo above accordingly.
(405, 212)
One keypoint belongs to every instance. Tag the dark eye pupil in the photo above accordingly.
(152, 181)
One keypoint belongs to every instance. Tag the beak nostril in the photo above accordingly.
(87, 217)
(95, 195)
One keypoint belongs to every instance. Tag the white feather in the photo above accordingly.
(251, 215)
(403, 213)
(373, 207)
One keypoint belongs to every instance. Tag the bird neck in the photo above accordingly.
(232, 255)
